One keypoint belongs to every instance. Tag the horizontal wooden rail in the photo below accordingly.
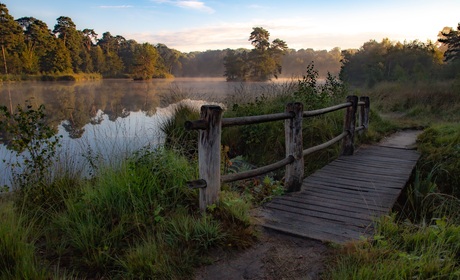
(226, 122)
(325, 144)
(258, 171)
(318, 112)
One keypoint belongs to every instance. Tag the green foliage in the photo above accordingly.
(315, 96)
(440, 150)
(253, 139)
(419, 195)
(233, 213)
(176, 136)
(141, 221)
(402, 251)
(260, 64)
(145, 60)
(451, 38)
(103, 218)
(17, 252)
(35, 143)
(386, 61)
(416, 105)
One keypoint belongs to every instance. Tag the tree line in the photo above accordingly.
(30, 47)
(414, 61)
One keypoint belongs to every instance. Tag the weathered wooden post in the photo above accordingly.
(364, 112)
(209, 154)
(294, 147)
(349, 126)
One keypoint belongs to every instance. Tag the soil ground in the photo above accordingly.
(275, 256)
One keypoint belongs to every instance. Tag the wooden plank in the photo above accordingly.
(371, 180)
(358, 177)
(319, 226)
(341, 211)
(306, 233)
(339, 191)
(334, 226)
(362, 167)
(345, 199)
(369, 187)
(319, 214)
(340, 201)
(331, 203)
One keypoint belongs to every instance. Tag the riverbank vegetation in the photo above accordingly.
(420, 239)
(136, 220)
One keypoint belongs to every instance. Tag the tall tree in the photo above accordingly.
(58, 59)
(11, 42)
(260, 38)
(263, 62)
(451, 38)
(111, 46)
(66, 30)
(145, 61)
(236, 66)
(38, 41)
(170, 57)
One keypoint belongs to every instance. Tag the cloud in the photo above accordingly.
(116, 7)
(188, 4)
(297, 32)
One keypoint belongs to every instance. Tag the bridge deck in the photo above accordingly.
(339, 202)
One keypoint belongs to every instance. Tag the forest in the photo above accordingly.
(30, 47)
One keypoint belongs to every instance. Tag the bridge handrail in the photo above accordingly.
(211, 124)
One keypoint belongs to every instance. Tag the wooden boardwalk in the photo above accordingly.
(339, 202)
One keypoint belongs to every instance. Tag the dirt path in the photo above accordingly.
(278, 256)
(275, 256)
(405, 139)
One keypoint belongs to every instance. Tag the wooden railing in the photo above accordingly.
(209, 145)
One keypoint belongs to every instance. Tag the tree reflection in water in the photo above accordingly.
(110, 119)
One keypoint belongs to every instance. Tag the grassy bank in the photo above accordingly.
(137, 221)
(420, 240)
(72, 77)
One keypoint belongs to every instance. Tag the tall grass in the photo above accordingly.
(18, 258)
(440, 148)
(421, 103)
(139, 220)
(402, 251)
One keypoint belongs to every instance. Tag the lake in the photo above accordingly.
(109, 119)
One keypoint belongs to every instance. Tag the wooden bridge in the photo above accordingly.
(337, 203)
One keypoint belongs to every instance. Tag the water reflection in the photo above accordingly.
(110, 119)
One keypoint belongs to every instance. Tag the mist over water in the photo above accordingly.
(108, 120)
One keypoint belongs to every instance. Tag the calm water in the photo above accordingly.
(109, 119)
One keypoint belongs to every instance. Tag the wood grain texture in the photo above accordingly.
(341, 201)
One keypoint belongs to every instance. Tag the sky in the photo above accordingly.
(200, 25)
